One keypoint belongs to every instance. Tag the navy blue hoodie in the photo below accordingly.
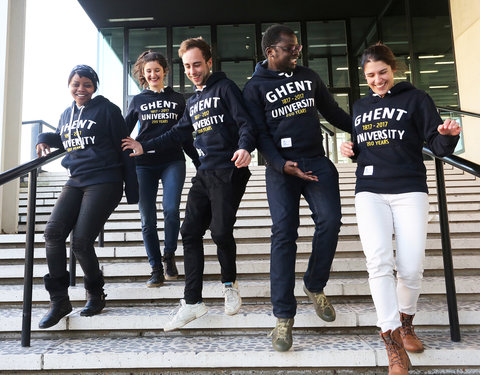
(389, 134)
(158, 112)
(220, 123)
(92, 136)
(284, 107)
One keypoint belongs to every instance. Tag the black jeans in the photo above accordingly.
(83, 210)
(212, 202)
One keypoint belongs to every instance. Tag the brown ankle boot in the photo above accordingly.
(398, 361)
(410, 340)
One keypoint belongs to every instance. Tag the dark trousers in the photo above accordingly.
(83, 210)
(212, 202)
(323, 198)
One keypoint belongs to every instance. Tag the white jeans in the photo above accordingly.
(379, 216)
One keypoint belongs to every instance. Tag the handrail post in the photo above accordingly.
(447, 253)
(29, 249)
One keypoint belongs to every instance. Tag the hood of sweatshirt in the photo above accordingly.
(261, 70)
(395, 90)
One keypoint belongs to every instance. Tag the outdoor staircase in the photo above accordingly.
(127, 338)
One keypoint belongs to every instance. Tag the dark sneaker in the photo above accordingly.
(157, 279)
(323, 307)
(282, 335)
(171, 272)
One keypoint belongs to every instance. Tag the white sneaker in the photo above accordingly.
(184, 314)
(233, 301)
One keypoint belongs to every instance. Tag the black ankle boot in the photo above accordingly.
(95, 304)
(156, 279)
(171, 272)
(58, 309)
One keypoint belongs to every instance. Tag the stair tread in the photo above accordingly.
(256, 316)
(229, 351)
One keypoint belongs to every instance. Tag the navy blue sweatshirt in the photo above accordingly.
(284, 107)
(92, 136)
(158, 112)
(389, 134)
(220, 123)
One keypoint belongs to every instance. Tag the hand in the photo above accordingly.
(42, 149)
(241, 158)
(449, 127)
(131, 144)
(346, 148)
(291, 168)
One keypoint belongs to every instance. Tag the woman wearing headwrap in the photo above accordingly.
(90, 131)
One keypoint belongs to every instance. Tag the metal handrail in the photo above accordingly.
(474, 169)
(32, 168)
(27, 167)
(459, 111)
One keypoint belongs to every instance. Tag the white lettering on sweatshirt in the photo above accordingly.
(158, 104)
(77, 125)
(288, 88)
(204, 104)
(380, 114)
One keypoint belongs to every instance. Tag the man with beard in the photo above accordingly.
(283, 100)
(224, 138)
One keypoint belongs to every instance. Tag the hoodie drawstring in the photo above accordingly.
(70, 125)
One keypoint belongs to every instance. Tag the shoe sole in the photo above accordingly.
(183, 325)
(154, 285)
(171, 277)
(310, 297)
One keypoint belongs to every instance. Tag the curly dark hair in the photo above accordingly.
(144, 58)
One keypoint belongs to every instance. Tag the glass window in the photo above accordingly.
(320, 66)
(186, 32)
(110, 65)
(236, 42)
(326, 38)
(238, 71)
(340, 71)
(434, 59)
(139, 41)
(180, 81)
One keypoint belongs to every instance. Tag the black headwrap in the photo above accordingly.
(85, 71)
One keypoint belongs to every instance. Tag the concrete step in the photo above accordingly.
(245, 268)
(250, 289)
(469, 245)
(251, 316)
(149, 317)
(359, 353)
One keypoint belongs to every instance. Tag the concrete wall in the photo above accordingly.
(466, 34)
(12, 50)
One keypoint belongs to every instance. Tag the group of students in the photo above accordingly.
(278, 114)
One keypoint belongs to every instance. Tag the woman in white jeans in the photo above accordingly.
(391, 125)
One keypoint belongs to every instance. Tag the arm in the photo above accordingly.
(119, 130)
(265, 143)
(329, 108)
(47, 140)
(131, 118)
(441, 137)
(191, 151)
